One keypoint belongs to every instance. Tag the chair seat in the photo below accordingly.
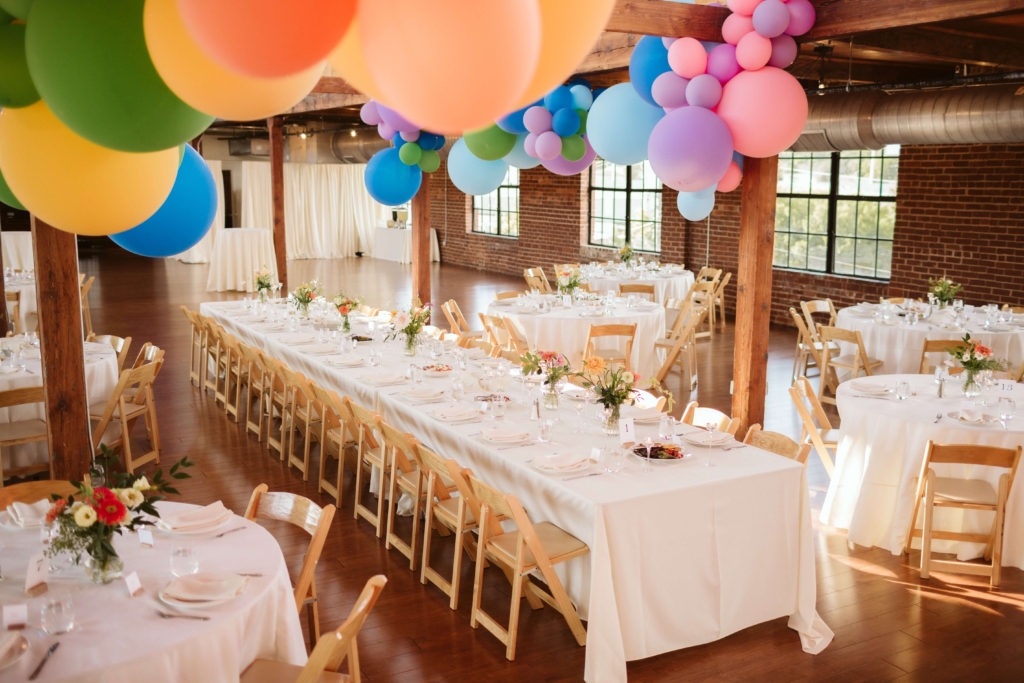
(848, 360)
(13, 433)
(965, 491)
(409, 481)
(272, 671)
(830, 437)
(559, 544)
(132, 411)
(448, 510)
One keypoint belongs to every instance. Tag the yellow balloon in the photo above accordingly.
(205, 84)
(74, 184)
(347, 59)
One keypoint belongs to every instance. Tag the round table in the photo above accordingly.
(120, 638)
(669, 282)
(565, 329)
(881, 448)
(237, 254)
(28, 318)
(898, 345)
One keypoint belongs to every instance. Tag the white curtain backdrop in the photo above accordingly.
(327, 211)
(200, 253)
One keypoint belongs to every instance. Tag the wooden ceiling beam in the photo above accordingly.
(663, 18)
(320, 101)
(954, 49)
(335, 84)
(850, 17)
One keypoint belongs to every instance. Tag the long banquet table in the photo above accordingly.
(117, 638)
(680, 555)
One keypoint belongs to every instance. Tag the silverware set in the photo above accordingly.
(178, 615)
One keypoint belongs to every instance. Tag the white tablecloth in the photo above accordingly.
(17, 249)
(899, 345)
(681, 555)
(881, 448)
(29, 317)
(237, 254)
(394, 244)
(565, 329)
(668, 283)
(119, 638)
(100, 380)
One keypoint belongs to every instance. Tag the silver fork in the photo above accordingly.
(168, 615)
(938, 416)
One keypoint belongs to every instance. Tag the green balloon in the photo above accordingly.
(573, 147)
(430, 161)
(583, 121)
(19, 8)
(5, 18)
(491, 143)
(7, 197)
(88, 60)
(410, 153)
(16, 89)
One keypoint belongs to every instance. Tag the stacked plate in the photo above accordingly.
(195, 520)
(708, 439)
(498, 435)
(204, 589)
(561, 463)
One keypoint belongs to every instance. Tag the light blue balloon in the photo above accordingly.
(619, 125)
(582, 97)
(696, 206)
(518, 156)
(390, 181)
(471, 174)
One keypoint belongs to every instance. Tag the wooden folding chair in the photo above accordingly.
(404, 477)
(86, 310)
(854, 363)
(34, 491)
(500, 296)
(809, 347)
(311, 518)
(936, 346)
(536, 279)
(516, 336)
(817, 428)
(338, 434)
(13, 301)
(718, 298)
(699, 416)
(624, 333)
(370, 454)
(449, 514)
(566, 267)
(680, 348)
(819, 312)
(279, 404)
(777, 443)
(131, 399)
(497, 334)
(702, 293)
(305, 419)
(197, 346)
(637, 289)
(963, 493)
(256, 388)
(15, 432)
(119, 344)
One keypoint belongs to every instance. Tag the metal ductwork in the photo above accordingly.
(356, 149)
(871, 119)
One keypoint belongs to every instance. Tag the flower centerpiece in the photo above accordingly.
(569, 281)
(553, 366)
(345, 305)
(974, 358)
(303, 296)
(84, 523)
(410, 324)
(626, 254)
(265, 284)
(943, 290)
(612, 384)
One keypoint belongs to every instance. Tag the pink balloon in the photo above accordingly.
(722, 63)
(537, 119)
(765, 110)
(801, 17)
(560, 166)
(669, 90)
(784, 51)
(704, 91)
(530, 145)
(385, 130)
(548, 146)
(687, 57)
(753, 51)
(690, 149)
(369, 114)
(410, 137)
(735, 27)
(744, 7)
(771, 18)
(731, 180)
(395, 120)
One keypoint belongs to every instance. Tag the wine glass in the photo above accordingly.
(648, 443)
(666, 427)
(1007, 407)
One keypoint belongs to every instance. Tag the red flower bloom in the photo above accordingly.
(58, 507)
(982, 351)
(343, 309)
(109, 510)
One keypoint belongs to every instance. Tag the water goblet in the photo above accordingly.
(902, 390)
(546, 426)
(458, 389)
(57, 613)
(184, 560)
(1007, 408)
(666, 427)
(613, 458)
(498, 407)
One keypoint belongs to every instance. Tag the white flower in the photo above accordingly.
(401, 319)
(130, 497)
(85, 516)
(142, 484)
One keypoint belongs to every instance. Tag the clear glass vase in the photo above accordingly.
(346, 325)
(549, 397)
(611, 420)
(104, 570)
(410, 344)
(971, 386)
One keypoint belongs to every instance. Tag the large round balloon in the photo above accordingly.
(491, 143)
(447, 67)
(389, 181)
(348, 60)
(204, 83)
(648, 61)
(765, 111)
(690, 149)
(267, 38)
(562, 166)
(513, 123)
(17, 8)
(696, 206)
(518, 156)
(88, 59)
(16, 88)
(7, 197)
(471, 174)
(184, 217)
(620, 123)
(74, 184)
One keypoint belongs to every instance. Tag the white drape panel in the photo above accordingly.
(200, 253)
(328, 213)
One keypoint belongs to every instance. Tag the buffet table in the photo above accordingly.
(237, 254)
(670, 282)
(119, 638)
(671, 548)
(17, 249)
(395, 244)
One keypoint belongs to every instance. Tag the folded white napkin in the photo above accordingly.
(296, 339)
(871, 388)
(320, 348)
(972, 415)
(344, 360)
(383, 380)
(704, 438)
(640, 414)
(504, 435)
(196, 519)
(28, 515)
(556, 462)
(424, 394)
(574, 392)
(205, 586)
(455, 413)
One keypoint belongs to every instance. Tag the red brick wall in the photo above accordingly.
(960, 211)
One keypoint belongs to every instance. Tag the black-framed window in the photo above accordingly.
(497, 213)
(625, 206)
(835, 212)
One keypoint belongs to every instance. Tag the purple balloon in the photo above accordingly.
(704, 91)
(548, 146)
(690, 149)
(537, 120)
(722, 63)
(369, 114)
(385, 130)
(410, 137)
(561, 166)
(530, 145)
(396, 120)
(669, 90)
(801, 17)
(784, 51)
(771, 18)
(667, 42)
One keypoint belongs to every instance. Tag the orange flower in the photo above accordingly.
(594, 364)
(58, 507)
(343, 309)
(636, 377)
(982, 351)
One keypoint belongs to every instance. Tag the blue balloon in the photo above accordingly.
(471, 174)
(648, 61)
(565, 122)
(397, 140)
(390, 181)
(559, 98)
(518, 156)
(696, 206)
(513, 123)
(582, 98)
(431, 141)
(619, 125)
(184, 217)
(738, 158)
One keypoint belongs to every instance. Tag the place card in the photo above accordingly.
(1005, 386)
(567, 300)
(35, 576)
(627, 431)
(15, 617)
(133, 583)
(595, 454)
(145, 538)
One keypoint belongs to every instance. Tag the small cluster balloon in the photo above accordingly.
(415, 149)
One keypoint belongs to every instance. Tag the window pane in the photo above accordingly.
(817, 252)
(801, 175)
(818, 216)
(846, 218)
(780, 257)
(821, 178)
(849, 171)
(844, 252)
(797, 251)
(867, 219)
(886, 220)
(866, 257)
(884, 268)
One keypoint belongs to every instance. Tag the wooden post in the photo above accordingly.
(754, 290)
(58, 298)
(4, 319)
(277, 198)
(421, 241)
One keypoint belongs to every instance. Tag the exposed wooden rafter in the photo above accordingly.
(850, 17)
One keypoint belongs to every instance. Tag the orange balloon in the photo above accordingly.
(449, 65)
(74, 184)
(267, 38)
(347, 59)
(206, 85)
(569, 29)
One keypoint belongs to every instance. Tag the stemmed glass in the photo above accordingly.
(709, 427)
(648, 443)
(1007, 408)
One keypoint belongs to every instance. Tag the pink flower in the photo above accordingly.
(402, 319)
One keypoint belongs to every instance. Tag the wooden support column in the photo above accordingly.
(421, 241)
(4, 319)
(59, 303)
(277, 198)
(754, 290)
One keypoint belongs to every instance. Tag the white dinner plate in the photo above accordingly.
(708, 439)
(424, 395)
(215, 525)
(983, 419)
(15, 652)
(344, 361)
(456, 414)
(869, 388)
(383, 380)
(504, 437)
(194, 604)
(560, 463)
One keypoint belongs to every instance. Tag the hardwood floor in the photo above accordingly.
(889, 624)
